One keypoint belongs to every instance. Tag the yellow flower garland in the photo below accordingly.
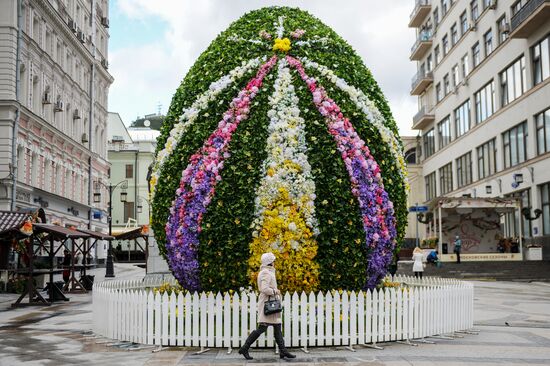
(281, 45)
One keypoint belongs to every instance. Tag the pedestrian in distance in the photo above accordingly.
(458, 248)
(433, 258)
(267, 285)
(66, 265)
(418, 264)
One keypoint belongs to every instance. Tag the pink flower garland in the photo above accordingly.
(366, 180)
(197, 186)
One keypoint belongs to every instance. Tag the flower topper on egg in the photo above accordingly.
(281, 43)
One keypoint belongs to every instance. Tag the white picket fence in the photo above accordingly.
(130, 311)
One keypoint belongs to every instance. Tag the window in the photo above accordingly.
(129, 171)
(488, 41)
(486, 159)
(542, 121)
(436, 17)
(438, 95)
(128, 211)
(462, 118)
(429, 143)
(444, 7)
(516, 6)
(429, 64)
(464, 170)
(513, 81)
(515, 145)
(465, 62)
(502, 27)
(474, 10)
(410, 156)
(437, 55)
(511, 219)
(444, 132)
(476, 54)
(485, 102)
(541, 60)
(486, 3)
(454, 34)
(545, 204)
(446, 178)
(463, 23)
(430, 186)
(445, 44)
(446, 84)
(456, 76)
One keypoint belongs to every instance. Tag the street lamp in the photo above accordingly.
(109, 269)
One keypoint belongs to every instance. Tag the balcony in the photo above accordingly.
(421, 81)
(421, 10)
(422, 45)
(423, 118)
(529, 18)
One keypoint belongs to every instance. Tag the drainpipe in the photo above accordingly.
(91, 117)
(136, 184)
(15, 130)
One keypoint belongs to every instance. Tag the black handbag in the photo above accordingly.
(272, 306)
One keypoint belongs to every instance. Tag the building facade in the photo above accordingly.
(131, 152)
(416, 194)
(54, 87)
(483, 87)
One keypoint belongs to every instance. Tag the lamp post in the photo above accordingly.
(109, 269)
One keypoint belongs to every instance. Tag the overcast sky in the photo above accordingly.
(154, 43)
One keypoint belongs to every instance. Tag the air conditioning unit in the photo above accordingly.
(76, 114)
(59, 106)
(493, 4)
(47, 99)
(81, 36)
(104, 63)
(72, 25)
(89, 38)
(465, 81)
(105, 22)
(84, 138)
(473, 26)
(506, 28)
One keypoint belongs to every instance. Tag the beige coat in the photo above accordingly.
(267, 285)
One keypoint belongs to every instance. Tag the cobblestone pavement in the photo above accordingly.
(513, 319)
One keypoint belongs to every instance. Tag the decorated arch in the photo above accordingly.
(279, 139)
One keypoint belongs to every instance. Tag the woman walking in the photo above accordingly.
(267, 285)
(418, 266)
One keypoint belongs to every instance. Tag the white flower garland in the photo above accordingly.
(280, 27)
(286, 168)
(189, 115)
(369, 108)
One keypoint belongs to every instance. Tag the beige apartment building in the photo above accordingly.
(54, 84)
(483, 87)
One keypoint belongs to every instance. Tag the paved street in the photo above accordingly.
(513, 319)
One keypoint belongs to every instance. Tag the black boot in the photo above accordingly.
(283, 353)
(251, 339)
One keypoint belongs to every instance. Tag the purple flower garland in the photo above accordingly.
(366, 181)
(197, 186)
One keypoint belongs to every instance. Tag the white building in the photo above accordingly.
(54, 86)
(131, 152)
(483, 87)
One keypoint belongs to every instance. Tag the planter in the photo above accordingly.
(534, 254)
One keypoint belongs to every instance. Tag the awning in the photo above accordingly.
(11, 223)
(131, 234)
(59, 232)
(96, 234)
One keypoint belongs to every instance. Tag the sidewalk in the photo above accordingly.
(61, 335)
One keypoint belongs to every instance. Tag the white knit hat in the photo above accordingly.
(267, 258)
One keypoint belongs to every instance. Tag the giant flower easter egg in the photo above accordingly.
(279, 140)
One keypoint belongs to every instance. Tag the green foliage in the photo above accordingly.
(226, 236)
